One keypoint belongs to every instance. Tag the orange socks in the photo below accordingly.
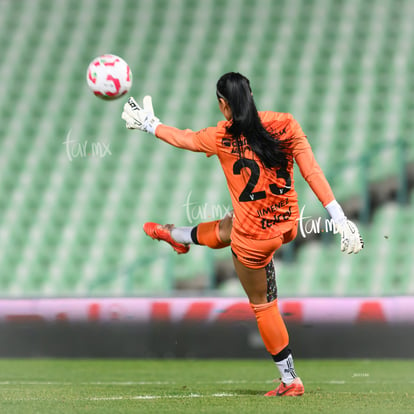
(207, 234)
(271, 326)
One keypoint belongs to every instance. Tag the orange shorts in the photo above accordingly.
(256, 254)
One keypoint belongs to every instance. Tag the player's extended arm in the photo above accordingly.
(144, 119)
(186, 139)
(312, 173)
(351, 240)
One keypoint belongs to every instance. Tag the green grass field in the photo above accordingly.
(202, 386)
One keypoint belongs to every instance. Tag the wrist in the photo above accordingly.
(152, 125)
(336, 212)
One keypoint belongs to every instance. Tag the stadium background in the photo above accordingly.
(71, 219)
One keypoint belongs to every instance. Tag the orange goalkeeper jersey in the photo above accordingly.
(264, 199)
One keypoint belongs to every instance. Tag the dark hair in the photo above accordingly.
(235, 89)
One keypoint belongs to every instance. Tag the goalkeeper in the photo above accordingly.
(256, 151)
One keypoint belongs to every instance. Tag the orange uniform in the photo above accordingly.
(264, 199)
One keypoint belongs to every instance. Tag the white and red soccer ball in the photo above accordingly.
(109, 77)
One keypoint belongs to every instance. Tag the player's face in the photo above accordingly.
(225, 109)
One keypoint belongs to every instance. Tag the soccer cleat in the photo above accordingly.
(295, 389)
(163, 232)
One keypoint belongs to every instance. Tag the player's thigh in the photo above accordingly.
(254, 282)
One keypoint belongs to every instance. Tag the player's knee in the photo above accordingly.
(225, 227)
(256, 293)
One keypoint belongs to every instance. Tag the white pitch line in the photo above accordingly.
(215, 395)
(133, 397)
(156, 397)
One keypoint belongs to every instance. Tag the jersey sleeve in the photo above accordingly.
(199, 141)
(308, 166)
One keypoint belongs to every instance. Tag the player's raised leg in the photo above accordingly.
(214, 234)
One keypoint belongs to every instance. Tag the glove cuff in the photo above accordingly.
(336, 212)
(152, 125)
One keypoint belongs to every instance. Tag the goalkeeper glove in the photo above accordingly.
(136, 117)
(351, 240)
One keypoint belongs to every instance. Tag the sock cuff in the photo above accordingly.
(283, 354)
(263, 306)
(208, 234)
(194, 237)
(194, 233)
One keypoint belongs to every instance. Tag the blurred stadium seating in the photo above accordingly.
(70, 222)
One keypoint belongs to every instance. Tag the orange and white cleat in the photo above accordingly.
(295, 389)
(163, 232)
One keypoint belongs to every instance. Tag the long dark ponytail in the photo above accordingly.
(235, 89)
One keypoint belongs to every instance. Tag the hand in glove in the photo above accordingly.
(136, 117)
(351, 240)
